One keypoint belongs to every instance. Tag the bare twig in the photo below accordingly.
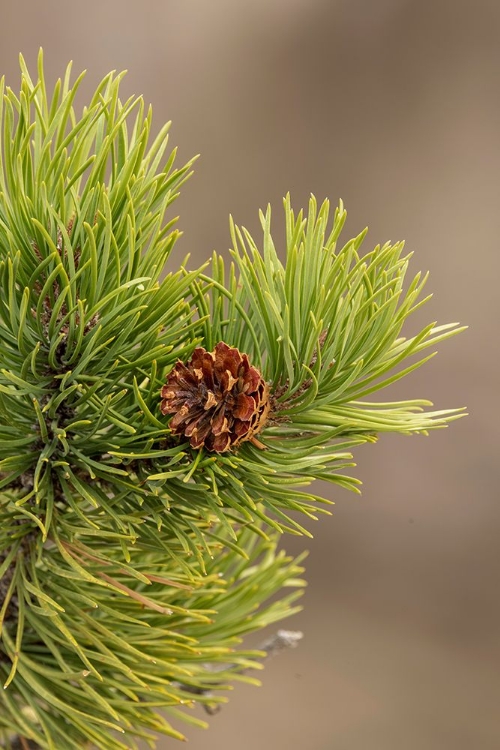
(280, 641)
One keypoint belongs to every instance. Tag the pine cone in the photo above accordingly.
(217, 398)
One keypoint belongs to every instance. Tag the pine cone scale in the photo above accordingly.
(245, 407)
(211, 400)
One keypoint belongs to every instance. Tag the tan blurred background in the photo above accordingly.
(393, 105)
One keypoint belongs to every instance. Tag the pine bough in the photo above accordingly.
(158, 433)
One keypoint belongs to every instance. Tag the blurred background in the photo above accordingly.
(393, 106)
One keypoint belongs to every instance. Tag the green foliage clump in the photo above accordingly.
(131, 565)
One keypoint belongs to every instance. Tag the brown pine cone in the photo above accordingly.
(217, 398)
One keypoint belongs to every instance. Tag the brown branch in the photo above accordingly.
(21, 743)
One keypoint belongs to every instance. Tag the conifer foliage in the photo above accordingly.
(158, 433)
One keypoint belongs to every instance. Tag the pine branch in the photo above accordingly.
(158, 433)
